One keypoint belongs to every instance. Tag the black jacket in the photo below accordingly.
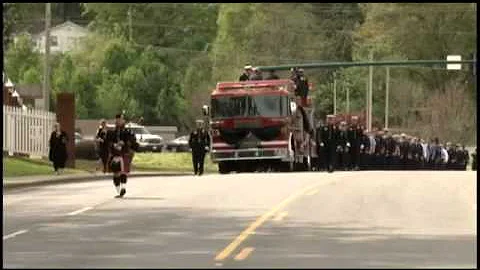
(117, 135)
(243, 77)
(102, 134)
(199, 139)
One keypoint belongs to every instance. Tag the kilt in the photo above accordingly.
(120, 163)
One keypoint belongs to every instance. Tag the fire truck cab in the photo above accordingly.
(259, 126)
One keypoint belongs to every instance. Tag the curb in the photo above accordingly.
(83, 178)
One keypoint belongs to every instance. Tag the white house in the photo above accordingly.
(63, 37)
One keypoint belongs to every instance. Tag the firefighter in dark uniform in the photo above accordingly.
(199, 142)
(121, 144)
(390, 145)
(355, 133)
(256, 75)
(303, 87)
(246, 73)
(418, 154)
(321, 149)
(404, 152)
(343, 147)
(452, 157)
(396, 163)
(329, 140)
(466, 158)
(379, 154)
(474, 160)
(364, 154)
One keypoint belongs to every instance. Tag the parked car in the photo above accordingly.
(148, 142)
(179, 144)
(78, 138)
(85, 147)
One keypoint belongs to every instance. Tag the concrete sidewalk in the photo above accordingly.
(29, 181)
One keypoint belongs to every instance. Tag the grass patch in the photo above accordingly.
(15, 167)
(169, 162)
(172, 162)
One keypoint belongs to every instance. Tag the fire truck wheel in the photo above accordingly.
(223, 167)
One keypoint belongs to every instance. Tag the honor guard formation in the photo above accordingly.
(349, 146)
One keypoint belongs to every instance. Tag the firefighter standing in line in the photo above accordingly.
(355, 133)
(474, 160)
(343, 147)
(302, 85)
(329, 140)
(246, 73)
(256, 75)
(199, 142)
(320, 146)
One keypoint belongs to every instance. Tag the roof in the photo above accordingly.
(30, 90)
(245, 87)
(67, 24)
(242, 84)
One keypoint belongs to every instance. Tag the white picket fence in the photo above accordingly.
(27, 131)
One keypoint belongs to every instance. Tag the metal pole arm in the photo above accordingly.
(369, 63)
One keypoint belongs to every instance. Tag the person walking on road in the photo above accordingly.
(199, 142)
(102, 147)
(58, 148)
(121, 144)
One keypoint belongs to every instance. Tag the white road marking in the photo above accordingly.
(79, 211)
(14, 234)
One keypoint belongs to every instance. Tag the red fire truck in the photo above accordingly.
(260, 126)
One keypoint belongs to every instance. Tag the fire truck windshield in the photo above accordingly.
(245, 106)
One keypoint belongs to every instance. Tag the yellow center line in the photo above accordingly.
(242, 255)
(281, 216)
(257, 223)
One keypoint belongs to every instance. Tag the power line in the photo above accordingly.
(296, 31)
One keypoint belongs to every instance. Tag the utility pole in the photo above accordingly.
(370, 94)
(348, 96)
(387, 84)
(130, 23)
(334, 94)
(130, 30)
(46, 70)
(367, 106)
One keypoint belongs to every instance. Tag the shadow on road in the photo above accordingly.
(319, 246)
(151, 235)
(143, 198)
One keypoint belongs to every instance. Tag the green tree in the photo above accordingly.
(21, 57)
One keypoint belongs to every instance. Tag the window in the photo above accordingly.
(267, 106)
(139, 130)
(53, 41)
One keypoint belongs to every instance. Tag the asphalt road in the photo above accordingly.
(308, 220)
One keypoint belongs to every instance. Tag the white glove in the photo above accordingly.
(362, 146)
(207, 148)
(322, 145)
(348, 144)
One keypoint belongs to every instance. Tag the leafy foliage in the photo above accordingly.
(161, 60)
